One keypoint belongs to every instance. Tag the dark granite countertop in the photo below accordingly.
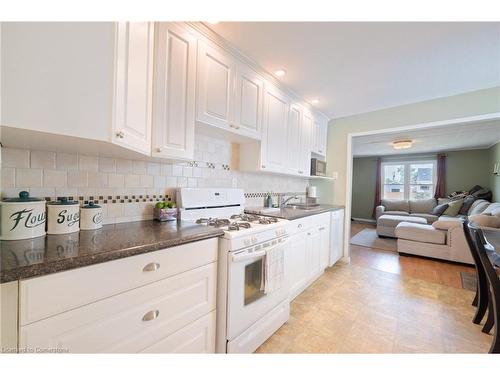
(53, 253)
(297, 213)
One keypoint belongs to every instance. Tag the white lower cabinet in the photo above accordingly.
(309, 251)
(173, 314)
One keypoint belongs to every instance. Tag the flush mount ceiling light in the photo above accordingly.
(279, 72)
(314, 101)
(213, 22)
(400, 145)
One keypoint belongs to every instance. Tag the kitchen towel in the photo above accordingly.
(274, 275)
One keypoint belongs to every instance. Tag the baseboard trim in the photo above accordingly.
(369, 221)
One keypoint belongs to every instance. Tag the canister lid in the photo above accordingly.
(91, 205)
(63, 201)
(24, 196)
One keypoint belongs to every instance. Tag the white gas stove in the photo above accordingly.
(248, 312)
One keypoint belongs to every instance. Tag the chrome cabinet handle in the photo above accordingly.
(151, 315)
(322, 228)
(299, 226)
(158, 149)
(151, 267)
(263, 166)
(308, 233)
(120, 134)
(300, 172)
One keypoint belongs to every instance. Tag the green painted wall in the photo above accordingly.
(494, 157)
(464, 169)
(450, 107)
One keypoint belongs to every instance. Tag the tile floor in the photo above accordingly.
(382, 303)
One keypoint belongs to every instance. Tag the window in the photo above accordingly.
(409, 179)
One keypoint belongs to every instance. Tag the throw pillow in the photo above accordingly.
(447, 224)
(440, 209)
(485, 221)
(468, 200)
(454, 208)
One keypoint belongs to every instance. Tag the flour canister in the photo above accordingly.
(63, 216)
(22, 218)
(90, 217)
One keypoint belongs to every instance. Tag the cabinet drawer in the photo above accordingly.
(301, 225)
(45, 296)
(129, 322)
(197, 337)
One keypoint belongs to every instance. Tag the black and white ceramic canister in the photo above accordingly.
(63, 216)
(90, 217)
(22, 218)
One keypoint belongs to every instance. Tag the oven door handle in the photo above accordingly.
(246, 256)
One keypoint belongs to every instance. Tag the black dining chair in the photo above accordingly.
(482, 290)
(494, 285)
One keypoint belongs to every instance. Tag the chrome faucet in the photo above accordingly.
(283, 201)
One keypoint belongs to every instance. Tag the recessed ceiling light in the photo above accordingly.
(400, 145)
(280, 72)
(213, 22)
(314, 101)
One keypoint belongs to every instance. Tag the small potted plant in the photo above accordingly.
(165, 211)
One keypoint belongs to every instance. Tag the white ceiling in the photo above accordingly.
(444, 138)
(361, 67)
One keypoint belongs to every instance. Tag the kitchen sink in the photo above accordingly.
(303, 206)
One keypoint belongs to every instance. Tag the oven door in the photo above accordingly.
(247, 303)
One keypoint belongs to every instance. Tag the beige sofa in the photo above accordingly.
(445, 238)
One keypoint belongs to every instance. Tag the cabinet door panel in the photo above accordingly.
(175, 80)
(336, 236)
(296, 261)
(133, 85)
(249, 99)
(215, 90)
(293, 140)
(313, 253)
(305, 143)
(275, 124)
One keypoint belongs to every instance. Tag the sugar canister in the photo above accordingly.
(63, 216)
(22, 218)
(90, 217)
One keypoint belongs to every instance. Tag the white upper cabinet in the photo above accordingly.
(274, 137)
(215, 94)
(249, 102)
(174, 93)
(318, 145)
(305, 143)
(293, 140)
(132, 111)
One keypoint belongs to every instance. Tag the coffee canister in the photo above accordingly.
(90, 217)
(63, 216)
(22, 218)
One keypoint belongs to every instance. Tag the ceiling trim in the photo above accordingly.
(211, 35)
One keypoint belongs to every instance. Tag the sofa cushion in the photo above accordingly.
(395, 205)
(443, 200)
(446, 224)
(486, 220)
(478, 207)
(394, 220)
(396, 213)
(493, 209)
(422, 206)
(440, 209)
(454, 207)
(421, 233)
(468, 200)
(430, 218)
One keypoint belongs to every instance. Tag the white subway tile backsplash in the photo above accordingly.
(139, 167)
(28, 177)
(15, 158)
(103, 177)
(116, 181)
(54, 178)
(88, 163)
(77, 179)
(107, 165)
(123, 166)
(66, 161)
(43, 159)
(8, 178)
